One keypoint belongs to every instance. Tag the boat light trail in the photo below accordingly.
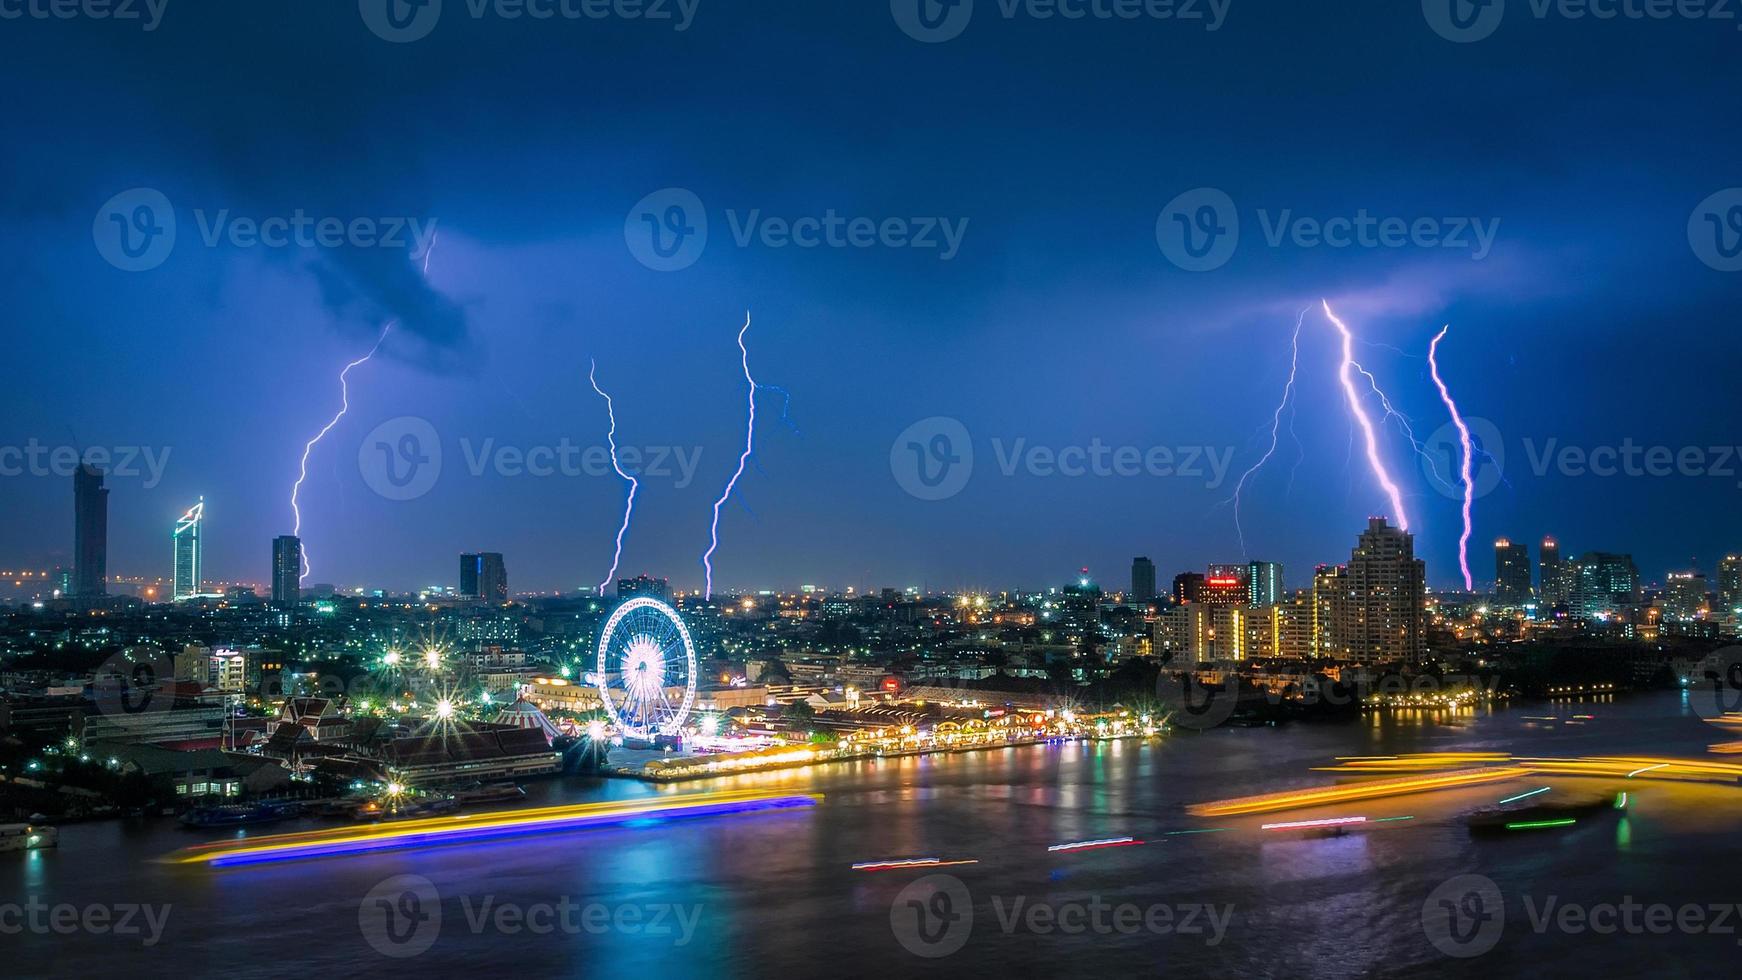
(1310, 824)
(1091, 845)
(749, 447)
(1377, 789)
(1346, 376)
(634, 484)
(1540, 824)
(908, 863)
(1636, 772)
(1467, 467)
(481, 826)
(1525, 796)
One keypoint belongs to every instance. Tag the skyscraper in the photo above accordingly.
(1511, 573)
(1604, 583)
(90, 532)
(188, 550)
(286, 570)
(1555, 584)
(1264, 583)
(1225, 585)
(1142, 580)
(1730, 584)
(1685, 596)
(484, 576)
(1386, 592)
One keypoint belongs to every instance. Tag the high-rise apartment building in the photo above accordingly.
(1511, 573)
(286, 570)
(1604, 584)
(1555, 580)
(1264, 583)
(90, 533)
(1384, 591)
(484, 576)
(1142, 580)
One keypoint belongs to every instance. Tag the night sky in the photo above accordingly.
(1592, 319)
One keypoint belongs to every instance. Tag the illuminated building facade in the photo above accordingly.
(1386, 594)
(1225, 585)
(1685, 597)
(188, 551)
(1264, 583)
(1604, 584)
(1555, 581)
(1511, 573)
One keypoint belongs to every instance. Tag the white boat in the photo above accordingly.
(27, 837)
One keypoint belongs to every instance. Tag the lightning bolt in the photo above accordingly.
(1465, 470)
(749, 447)
(302, 471)
(1346, 374)
(634, 484)
(344, 407)
(1275, 429)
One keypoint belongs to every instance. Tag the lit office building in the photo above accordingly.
(188, 551)
(1685, 597)
(1555, 580)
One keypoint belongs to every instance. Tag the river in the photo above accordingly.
(773, 894)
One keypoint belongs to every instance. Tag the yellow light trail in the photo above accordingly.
(450, 829)
(1376, 789)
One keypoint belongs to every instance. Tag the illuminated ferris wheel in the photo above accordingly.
(647, 668)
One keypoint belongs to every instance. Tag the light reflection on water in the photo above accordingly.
(777, 896)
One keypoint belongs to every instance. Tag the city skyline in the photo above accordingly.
(1105, 338)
